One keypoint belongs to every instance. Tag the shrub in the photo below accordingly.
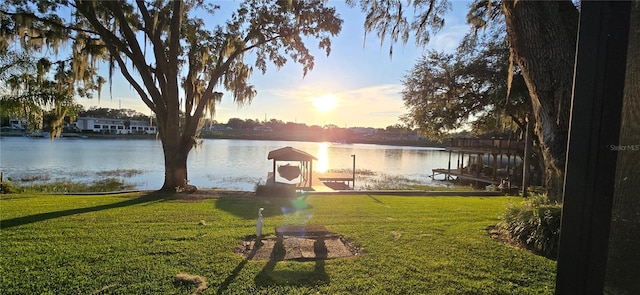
(7, 187)
(536, 224)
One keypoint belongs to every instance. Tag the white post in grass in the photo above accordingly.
(259, 225)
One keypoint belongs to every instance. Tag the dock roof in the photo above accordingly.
(290, 154)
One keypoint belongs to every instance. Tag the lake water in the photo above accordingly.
(218, 163)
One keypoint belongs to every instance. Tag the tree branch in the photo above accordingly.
(115, 46)
(137, 56)
(48, 21)
(151, 26)
(135, 84)
(220, 70)
(520, 124)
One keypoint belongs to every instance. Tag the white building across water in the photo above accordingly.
(115, 126)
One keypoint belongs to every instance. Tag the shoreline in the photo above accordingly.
(408, 143)
(216, 194)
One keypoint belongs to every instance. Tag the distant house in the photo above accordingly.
(397, 134)
(363, 131)
(115, 126)
(215, 127)
(16, 127)
(262, 128)
(17, 123)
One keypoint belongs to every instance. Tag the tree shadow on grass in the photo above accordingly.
(269, 276)
(150, 197)
(225, 285)
(247, 207)
(376, 200)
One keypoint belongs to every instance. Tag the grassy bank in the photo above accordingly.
(137, 244)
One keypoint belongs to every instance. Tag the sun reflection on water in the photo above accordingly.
(323, 157)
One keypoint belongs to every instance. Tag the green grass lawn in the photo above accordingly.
(136, 244)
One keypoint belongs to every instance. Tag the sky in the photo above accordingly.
(357, 85)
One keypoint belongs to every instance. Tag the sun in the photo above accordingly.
(325, 103)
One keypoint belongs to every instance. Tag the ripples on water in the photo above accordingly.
(218, 163)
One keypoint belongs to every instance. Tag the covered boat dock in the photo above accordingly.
(492, 161)
(301, 175)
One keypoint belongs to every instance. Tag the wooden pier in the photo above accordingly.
(321, 182)
(483, 161)
(449, 174)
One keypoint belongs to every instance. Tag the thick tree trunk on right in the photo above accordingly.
(625, 216)
(542, 37)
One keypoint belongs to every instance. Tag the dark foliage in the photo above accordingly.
(536, 224)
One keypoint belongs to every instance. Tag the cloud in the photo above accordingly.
(368, 106)
(385, 92)
(373, 106)
(448, 39)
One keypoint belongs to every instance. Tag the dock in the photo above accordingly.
(458, 173)
(302, 171)
(483, 161)
(322, 182)
(336, 181)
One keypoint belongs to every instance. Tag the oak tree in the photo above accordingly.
(542, 41)
(446, 92)
(179, 56)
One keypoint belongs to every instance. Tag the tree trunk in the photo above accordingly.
(625, 220)
(542, 37)
(176, 151)
(175, 169)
